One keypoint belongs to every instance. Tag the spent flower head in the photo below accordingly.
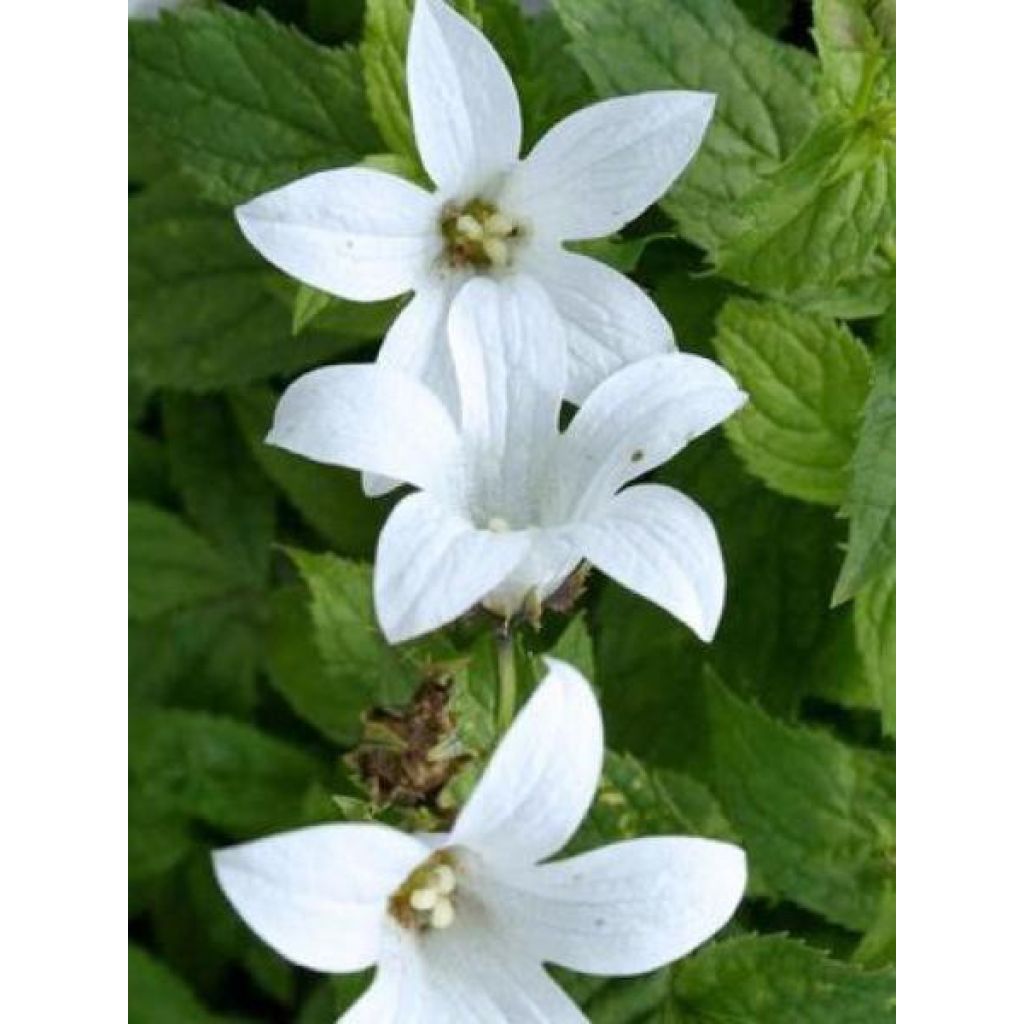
(507, 505)
(460, 925)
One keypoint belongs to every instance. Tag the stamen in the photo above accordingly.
(499, 225)
(444, 880)
(497, 525)
(424, 899)
(443, 913)
(496, 250)
(469, 226)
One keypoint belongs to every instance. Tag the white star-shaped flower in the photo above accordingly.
(365, 235)
(460, 925)
(508, 506)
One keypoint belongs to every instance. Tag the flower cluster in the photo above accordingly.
(511, 498)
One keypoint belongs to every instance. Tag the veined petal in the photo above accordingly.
(661, 545)
(508, 348)
(624, 909)
(542, 777)
(637, 419)
(319, 895)
(610, 321)
(433, 565)
(417, 345)
(357, 233)
(466, 974)
(369, 418)
(465, 111)
(552, 556)
(603, 166)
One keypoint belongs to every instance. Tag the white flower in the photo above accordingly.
(459, 925)
(508, 506)
(364, 235)
(150, 8)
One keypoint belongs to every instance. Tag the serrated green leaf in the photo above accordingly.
(623, 254)
(857, 43)
(170, 566)
(159, 835)
(219, 771)
(768, 15)
(330, 499)
(157, 996)
(875, 619)
(385, 40)
(243, 103)
(354, 321)
(835, 672)
(223, 490)
(807, 378)
(764, 979)
(201, 315)
(816, 816)
(576, 647)
(878, 947)
(810, 233)
(765, 92)
(870, 502)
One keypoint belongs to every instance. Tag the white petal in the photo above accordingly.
(433, 565)
(369, 418)
(609, 320)
(661, 545)
(604, 165)
(636, 420)
(465, 974)
(552, 556)
(319, 895)
(465, 111)
(508, 347)
(542, 777)
(417, 345)
(357, 233)
(626, 908)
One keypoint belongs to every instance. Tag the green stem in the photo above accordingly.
(506, 651)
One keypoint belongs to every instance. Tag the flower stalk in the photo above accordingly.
(505, 650)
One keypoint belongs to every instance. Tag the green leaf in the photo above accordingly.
(157, 996)
(765, 92)
(857, 45)
(169, 566)
(147, 469)
(243, 103)
(159, 835)
(807, 378)
(875, 619)
(870, 502)
(201, 314)
(575, 647)
(816, 816)
(355, 654)
(811, 232)
(767, 15)
(221, 772)
(878, 947)
(297, 671)
(354, 321)
(385, 40)
(330, 499)
(223, 490)
(763, 979)
(623, 254)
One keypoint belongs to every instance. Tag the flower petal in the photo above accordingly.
(465, 111)
(636, 420)
(319, 895)
(466, 974)
(609, 320)
(417, 345)
(433, 565)
(623, 909)
(603, 166)
(357, 233)
(542, 777)
(661, 545)
(369, 418)
(508, 348)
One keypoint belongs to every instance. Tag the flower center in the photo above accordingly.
(478, 235)
(426, 899)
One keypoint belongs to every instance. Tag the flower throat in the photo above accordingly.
(478, 235)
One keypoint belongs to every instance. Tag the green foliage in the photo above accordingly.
(242, 103)
(254, 651)
(807, 379)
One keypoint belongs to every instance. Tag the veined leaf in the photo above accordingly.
(807, 378)
(875, 619)
(243, 103)
(157, 996)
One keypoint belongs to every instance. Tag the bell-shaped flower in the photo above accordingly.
(460, 925)
(363, 234)
(508, 506)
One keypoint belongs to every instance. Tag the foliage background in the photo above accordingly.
(253, 648)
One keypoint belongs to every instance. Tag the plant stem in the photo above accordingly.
(506, 652)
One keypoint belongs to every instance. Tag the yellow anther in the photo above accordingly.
(444, 880)
(498, 225)
(496, 250)
(470, 227)
(497, 525)
(443, 913)
(423, 899)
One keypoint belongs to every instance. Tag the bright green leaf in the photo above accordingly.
(243, 103)
(807, 378)
(157, 996)
(875, 618)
